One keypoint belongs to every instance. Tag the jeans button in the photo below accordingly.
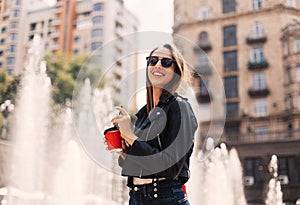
(155, 195)
(155, 189)
(135, 188)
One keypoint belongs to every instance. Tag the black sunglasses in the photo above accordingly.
(165, 62)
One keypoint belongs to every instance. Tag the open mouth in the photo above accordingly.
(158, 74)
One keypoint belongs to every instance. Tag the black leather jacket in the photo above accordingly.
(165, 141)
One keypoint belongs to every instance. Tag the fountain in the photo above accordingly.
(48, 165)
(216, 180)
(274, 195)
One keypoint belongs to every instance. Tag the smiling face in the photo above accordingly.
(158, 75)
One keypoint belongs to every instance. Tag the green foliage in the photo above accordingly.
(8, 86)
(63, 72)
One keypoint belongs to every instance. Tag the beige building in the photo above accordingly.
(246, 44)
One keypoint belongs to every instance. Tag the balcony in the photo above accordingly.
(258, 92)
(56, 22)
(256, 39)
(205, 46)
(258, 65)
(204, 70)
(269, 136)
(203, 96)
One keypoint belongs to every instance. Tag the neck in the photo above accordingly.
(156, 95)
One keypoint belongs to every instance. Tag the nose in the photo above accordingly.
(158, 64)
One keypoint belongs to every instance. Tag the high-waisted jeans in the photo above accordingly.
(158, 193)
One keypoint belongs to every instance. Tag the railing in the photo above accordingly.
(258, 65)
(275, 136)
(257, 92)
(256, 39)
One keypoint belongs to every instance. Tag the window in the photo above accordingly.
(260, 107)
(230, 61)
(261, 133)
(257, 30)
(229, 6)
(297, 45)
(298, 72)
(1, 64)
(97, 20)
(203, 12)
(10, 60)
(12, 48)
(292, 3)
(229, 35)
(204, 109)
(13, 36)
(288, 73)
(203, 60)
(259, 81)
(232, 130)
(75, 51)
(256, 4)
(231, 86)
(254, 168)
(76, 39)
(3, 30)
(203, 37)
(16, 13)
(232, 109)
(258, 54)
(203, 87)
(1, 53)
(14, 24)
(287, 168)
(98, 7)
(18, 2)
(286, 48)
(97, 33)
(96, 45)
(2, 41)
(32, 26)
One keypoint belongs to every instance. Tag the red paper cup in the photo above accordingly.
(113, 139)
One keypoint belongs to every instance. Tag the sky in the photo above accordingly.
(154, 15)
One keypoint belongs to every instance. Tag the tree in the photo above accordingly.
(63, 71)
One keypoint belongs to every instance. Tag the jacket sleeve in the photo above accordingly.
(180, 127)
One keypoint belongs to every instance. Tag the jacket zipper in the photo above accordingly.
(147, 140)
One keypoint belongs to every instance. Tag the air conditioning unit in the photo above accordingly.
(248, 180)
(284, 179)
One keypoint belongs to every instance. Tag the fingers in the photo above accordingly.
(122, 110)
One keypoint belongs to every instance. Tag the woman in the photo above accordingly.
(156, 154)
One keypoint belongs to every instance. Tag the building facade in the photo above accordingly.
(248, 45)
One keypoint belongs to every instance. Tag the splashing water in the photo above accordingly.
(48, 166)
(274, 195)
(217, 180)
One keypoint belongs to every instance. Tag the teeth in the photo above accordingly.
(158, 74)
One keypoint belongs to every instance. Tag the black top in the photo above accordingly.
(165, 141)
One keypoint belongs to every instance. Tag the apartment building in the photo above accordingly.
(253, 46)
(69, 26)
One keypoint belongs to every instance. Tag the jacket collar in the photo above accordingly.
(164, 98)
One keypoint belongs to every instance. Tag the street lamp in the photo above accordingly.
(6, 108)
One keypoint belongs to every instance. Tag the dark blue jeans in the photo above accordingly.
(161, 193)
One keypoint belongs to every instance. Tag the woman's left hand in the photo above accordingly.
(124, 122)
